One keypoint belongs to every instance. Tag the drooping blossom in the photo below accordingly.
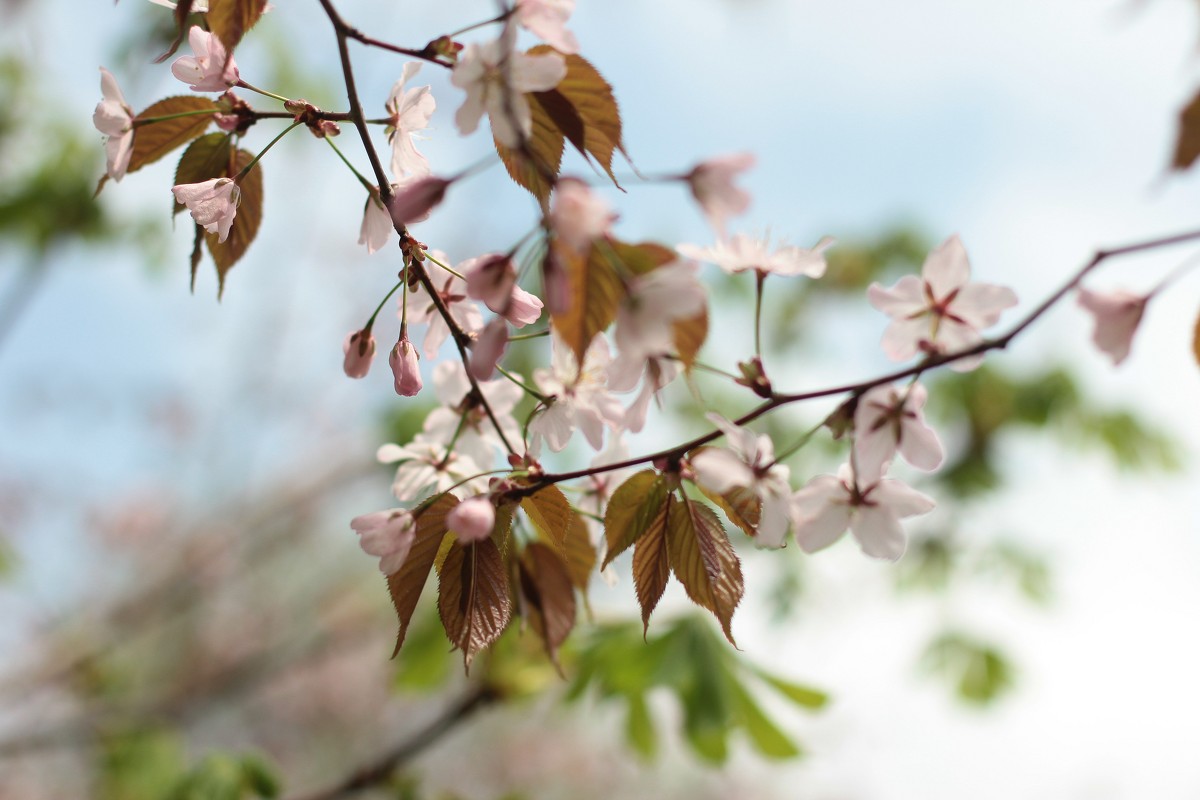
(496, 78)
(581, 396)
(476, 434)
(742, 253)
(624, 372)
(212, 203)
(827, 505)
(452, 291)
(578, 215)
(427, 465)
(749, 462)
(415, 199)
(409, 111)
(376, 226)
(406, 368)
(492, 279)
(547, 19)
(489, 349)
(888, 420)
(1117, 315)
(359, 350)
(711, 183)
(114, 118)
(652, 305)
(472, 520)
(387, 535)
(942, 311)
(211, 69)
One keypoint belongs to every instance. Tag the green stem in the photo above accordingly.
(243, 85)
(760, 278)
(529, 389)
(520, 337)
(379, 307)
(263, 152)
(444, 266)
(139, 122)
(404, 302)
(477, 25)
(789, 451)
(370, 187)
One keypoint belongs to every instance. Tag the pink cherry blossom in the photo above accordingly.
(1117, 315)
(489, 348)
(492, 279)
(359, 350)
(415, 199)
(426, 465)
(405, 368)
(472, 520)
(711, 183)
(376, 226)
(114, 118)
(581, 396)
(547, 19)
(743, 253)
(496, 78)
(653, 303)
(888, 420)
(211, 69)
(827, 505)
(623, 375)
(409, 111)
(940, 312)
(452, 291)
(463, 420)
(578, 215)
(748, 462)
(388, 535)
(213, 203)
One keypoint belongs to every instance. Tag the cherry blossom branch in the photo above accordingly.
(777, 400)
(382, 768)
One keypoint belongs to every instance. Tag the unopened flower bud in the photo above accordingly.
(405, 367)
(488, 349)
(414, 202)
(472, 520)
(359, 349)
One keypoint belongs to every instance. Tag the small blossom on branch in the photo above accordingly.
(711, 183)
(581, 396)
(461, 414)
(827, 505)
(942, 311)
(211, 69)
(653, 303)
(623, 375)
(376, 226)
(386, 534)
(114, 118)
(547, 19)
(1117, 315)
(405, 367)
(409, 111)
(472, 520)
(492, 279)
(743, 253)
(496, 78)
(359, 350)
(427, 465)
(578, 215)
(212, 203)
(749, 462)
(453, 293)
(888, 420)
(416, 198)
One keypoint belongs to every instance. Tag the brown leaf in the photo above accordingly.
(651, 564)
(631, 510)
(182, 9)
(704, 561)
(550, 598)
(592, 98)
(245, 225)
(595, 290)
(230, 19)
(406, 584)
(538, 169)
(473, 598)
(550, 512)
(689, 335)
(580, 553)
(1187, 145)
(741, 506)
(643, 257)
(154, 140)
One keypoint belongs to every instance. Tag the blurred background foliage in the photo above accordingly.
(198, 666)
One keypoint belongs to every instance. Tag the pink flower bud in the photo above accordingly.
(489, 348)
(490, 279)
(414, 202)
(405, 368)
(359, 349)
(472, 520)
(523, 308)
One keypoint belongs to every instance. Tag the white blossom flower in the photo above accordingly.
(749, 462)
(711, 183)
(213, 203)
(376, 225)
(427, 466)
(1117, 315)
(578, 215)
(496, 78)
(409, 111)
(940, 312)
(581, 397)
(827, 505)
(477, 438)
(653, 303)
(548, 19)
(453, 292)
(388, 535)
(492, 279)
(888, 420)
(114, 118)
(743, 253)
(624, 373)
(211, 69)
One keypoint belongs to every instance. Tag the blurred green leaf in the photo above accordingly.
(979, 672)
